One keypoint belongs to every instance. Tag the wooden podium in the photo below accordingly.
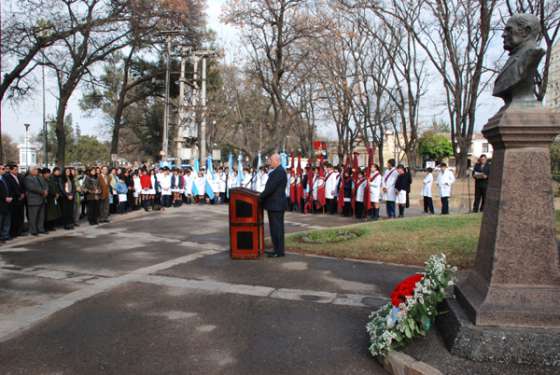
(246, 229)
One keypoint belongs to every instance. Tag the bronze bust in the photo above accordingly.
(516, 81)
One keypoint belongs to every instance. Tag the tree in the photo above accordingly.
(435, 146)
(87, 150)
(9, 150)
(455, 36)
(272, 30)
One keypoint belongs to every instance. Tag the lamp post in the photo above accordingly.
(26, 145)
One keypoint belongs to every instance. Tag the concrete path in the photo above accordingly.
(156, 293)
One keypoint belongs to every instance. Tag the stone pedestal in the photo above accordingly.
(515, 283)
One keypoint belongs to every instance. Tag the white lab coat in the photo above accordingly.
(375, 187)
(331, 185)
(137, 186)
(262, 178)
(246, 183)
(200, 183)
(188, 184)
(232, 181)
(444, 182)
(427, 187)
(222, 182)
(165, 184)
(388, 183)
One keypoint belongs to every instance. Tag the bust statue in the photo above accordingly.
(516, 81)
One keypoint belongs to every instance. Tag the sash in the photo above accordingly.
(389, 175)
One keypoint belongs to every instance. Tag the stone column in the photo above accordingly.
(509, 305)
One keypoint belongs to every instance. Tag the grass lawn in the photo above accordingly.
(404, 241)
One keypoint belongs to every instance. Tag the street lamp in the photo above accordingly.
(26, 145)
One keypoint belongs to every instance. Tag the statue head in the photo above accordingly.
(521, 29)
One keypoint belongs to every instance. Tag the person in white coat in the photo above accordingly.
(427, 192)
(445, 181)
(331, 189)
(361, 186)
(375, 182)
(189, 180)
(388, 188)
(200, 185)
(165, 184)
(262, 177)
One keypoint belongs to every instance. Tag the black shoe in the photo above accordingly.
(274, 255)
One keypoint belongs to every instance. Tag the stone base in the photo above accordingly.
(530, 346)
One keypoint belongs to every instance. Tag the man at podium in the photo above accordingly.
(275, 203)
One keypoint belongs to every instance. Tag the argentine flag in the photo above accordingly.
(196, 168)
(284, 160)
(240, 176)
(209, 175)
(230, 167)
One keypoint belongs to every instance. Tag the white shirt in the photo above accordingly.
(200, 183)
(444, 181)
(427, 187)
(262, 178)
(360, 190)
(246, 183)
(165, 184)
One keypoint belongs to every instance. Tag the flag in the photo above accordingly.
(196, 168)
(341, 182)
(230, 175)
(367, 200)
(284, 160)
(240, 176)
(293, 177)
(321, 193)
(209, 176)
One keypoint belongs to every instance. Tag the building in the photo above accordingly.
(27, 154)
(552, 98)
(478, 147)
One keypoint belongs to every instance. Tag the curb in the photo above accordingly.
(398, 363)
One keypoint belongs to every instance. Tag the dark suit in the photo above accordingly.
(275, 202)
(18, 204)
(5, 211)
(36, 186)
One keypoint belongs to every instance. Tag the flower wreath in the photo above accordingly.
(413, 307)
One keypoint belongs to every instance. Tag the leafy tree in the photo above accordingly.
(435, 146)
(9, 149)
(555, 159)
(88, 150)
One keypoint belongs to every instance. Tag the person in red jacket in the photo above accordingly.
(147, 188)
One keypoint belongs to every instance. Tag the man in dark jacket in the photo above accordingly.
(5, 206)
(15, 183)
(481, 172)
(275, 202)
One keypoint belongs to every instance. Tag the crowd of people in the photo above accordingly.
(61, 197)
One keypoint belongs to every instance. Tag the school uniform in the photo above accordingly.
(359, 199)
(165, 185)
(402, 185)
(389, 192)
(188, 186)
(375, 183)
(200, 187)
(445, 181)
(427, 193)
(331, 191)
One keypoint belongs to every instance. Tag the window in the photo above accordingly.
(485, 147)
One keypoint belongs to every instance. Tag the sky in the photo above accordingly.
(30, 111)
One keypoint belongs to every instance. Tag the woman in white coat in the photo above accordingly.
(375, 181)
(444, 182)
(388, 187)
(427, 192)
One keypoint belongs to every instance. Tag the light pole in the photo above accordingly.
(26, 145)
(166, 110)
(45, 128)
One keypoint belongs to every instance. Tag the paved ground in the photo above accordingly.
(156, 293)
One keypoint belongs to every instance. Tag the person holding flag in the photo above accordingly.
(321, 187)
(240, 174)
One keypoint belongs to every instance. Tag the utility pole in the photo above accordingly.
(182, 105)
(45, 127)
(165, 136)
(204, 55)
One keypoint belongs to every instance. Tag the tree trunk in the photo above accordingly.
(60, 130)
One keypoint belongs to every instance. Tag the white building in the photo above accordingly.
(27, 154)
(480, 146)
(552, 97)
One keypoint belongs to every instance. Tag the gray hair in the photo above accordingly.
(525, 20)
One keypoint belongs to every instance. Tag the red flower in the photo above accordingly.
(405, 289)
